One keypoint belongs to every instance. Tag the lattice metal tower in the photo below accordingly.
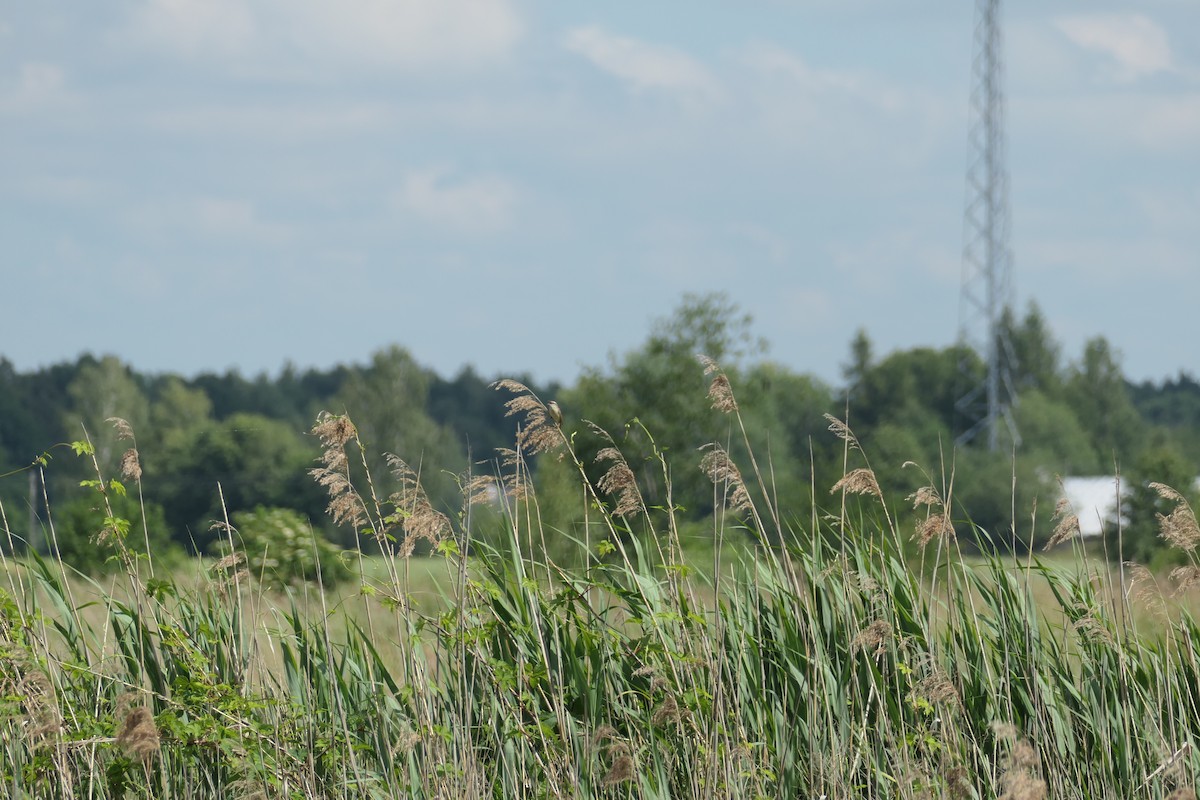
(987, 289)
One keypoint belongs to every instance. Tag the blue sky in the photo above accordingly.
(525, 186)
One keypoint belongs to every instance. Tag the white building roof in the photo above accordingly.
(1093, 499)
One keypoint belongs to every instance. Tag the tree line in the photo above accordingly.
(213, 445)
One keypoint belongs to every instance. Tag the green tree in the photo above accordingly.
(1053, 437)
(1037, 353)
(387, 402)
(103, 390)
(862, 358)
(917, 388)
(1009, 500)
(1097, 391)
(662, 386)
(252, 459)
(175, 410)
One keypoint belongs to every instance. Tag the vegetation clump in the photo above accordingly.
(846, 654)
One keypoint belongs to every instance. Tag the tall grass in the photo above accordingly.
(839, 665)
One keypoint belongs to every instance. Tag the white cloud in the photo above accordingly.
(1163, 123)
(1137, 44)
(38, 79)
(210, 28)
(210, 219)
(276, 122)
(644, 66)
(406, 34)
(1110, 261)
(838, 113)
(236, 219)
(484, 204)
(770, 60)
(37, 85)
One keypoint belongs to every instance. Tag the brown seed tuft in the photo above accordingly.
(601, 735)
(1020, 780)
(1185, 578)
(667, 712)
(937, 688)
(138, 735)
(622, 765)
(1143, 588)
(874, 637)
(721, 470)
(1093, 629)
(124, 429)
(334, 430)
(345, 506)
(935, 526)
(958, 783)
(1066, 529)
(1005, 731)
(1182, 793)
(539, 433)
(620, 481)
(481, 489)
(420, 520)
(131, 466)
(1166, 492)
(841, 430)
(721, 394)
(926, 496)
(406, 741)
(1021, 785)
(858, 481)
(226, 562)
(1179, 528)
(41, 708)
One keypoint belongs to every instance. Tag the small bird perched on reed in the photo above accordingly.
(555, 413)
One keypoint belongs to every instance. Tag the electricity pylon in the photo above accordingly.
(987, 289)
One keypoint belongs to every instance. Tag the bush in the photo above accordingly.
(283, 549)
(85, 536)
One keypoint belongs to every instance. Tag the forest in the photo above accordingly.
(213, 446)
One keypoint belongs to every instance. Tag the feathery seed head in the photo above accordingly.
(131, 465)
(858, 481)
(124, 429)
(620, 481)
(138, 735)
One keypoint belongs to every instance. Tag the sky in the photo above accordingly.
(525, 187)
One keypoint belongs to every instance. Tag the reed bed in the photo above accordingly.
(836, 658)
